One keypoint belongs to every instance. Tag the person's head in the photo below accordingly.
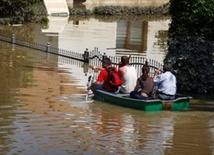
(124, 60)
(145, 69)
(106, 62)
(167, 67)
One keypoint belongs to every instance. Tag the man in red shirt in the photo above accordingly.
(102, 81)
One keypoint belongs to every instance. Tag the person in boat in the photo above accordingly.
(165, 82)
(144, 87)
(128, 75)
(103, 82)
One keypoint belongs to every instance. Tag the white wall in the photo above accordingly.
(56, 6)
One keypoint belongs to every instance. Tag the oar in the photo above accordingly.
(91, 78)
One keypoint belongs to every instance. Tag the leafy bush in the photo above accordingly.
(191, 44)
(194, 18)
(127, 11)
(18, 11)
(79, 12)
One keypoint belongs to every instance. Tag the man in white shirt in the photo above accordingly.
(166, 83)
(128, 74)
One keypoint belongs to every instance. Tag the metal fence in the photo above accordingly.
(95, 59)
(91, 58)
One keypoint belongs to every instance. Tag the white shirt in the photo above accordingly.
(129, 78)
(166, 83)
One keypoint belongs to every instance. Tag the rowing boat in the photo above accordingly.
(181, 102)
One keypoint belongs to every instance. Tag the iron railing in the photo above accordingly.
(92, 58)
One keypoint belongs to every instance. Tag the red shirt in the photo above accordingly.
(102, 77)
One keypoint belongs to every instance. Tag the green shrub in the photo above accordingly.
(191, 44)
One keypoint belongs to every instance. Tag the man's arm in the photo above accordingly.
(99, 80)
(157, 72)
(96, 69)
(93, 85)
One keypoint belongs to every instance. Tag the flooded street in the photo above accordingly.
(144, 37)
(43, 110)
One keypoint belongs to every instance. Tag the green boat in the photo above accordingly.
(181, 103)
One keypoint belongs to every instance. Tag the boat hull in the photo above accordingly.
(181, 103)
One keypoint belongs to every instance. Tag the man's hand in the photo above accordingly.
(96, 69)
(93, 67)
(157, 72)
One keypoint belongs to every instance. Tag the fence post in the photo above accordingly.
(13, 39)
(48, 47)
(85, 68)
(86, 56)
(104, 56)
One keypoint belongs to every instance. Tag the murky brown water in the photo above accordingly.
(43, 112)
(115, 37)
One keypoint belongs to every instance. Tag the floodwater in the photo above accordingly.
(145, 37)
(43, 110)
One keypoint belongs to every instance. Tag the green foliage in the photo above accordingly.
(195, 17)
(193, 63)
(18, 11)
(127, 11)
(79, 12)
(191, 44)
(44, 22)
(34, 1)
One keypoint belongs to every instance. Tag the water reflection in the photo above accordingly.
(144, 37)
(147, 38)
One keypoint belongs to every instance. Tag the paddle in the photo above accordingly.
(90, 80)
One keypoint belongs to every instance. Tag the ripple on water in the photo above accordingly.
(99, 128)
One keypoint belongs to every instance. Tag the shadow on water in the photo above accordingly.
(202, 103)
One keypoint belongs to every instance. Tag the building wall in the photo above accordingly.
(54, 7)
